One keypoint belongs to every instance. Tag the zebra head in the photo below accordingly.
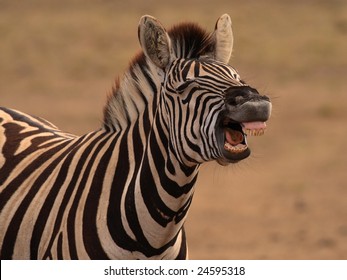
(209, 109)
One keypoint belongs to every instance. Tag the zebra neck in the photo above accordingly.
(162, 203)
(166, 187)
(157, 189)
(133, 97)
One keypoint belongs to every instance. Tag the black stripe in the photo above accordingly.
(12, 230)
(73, 210)
(171, 187)
(156, 207)
(196, 68)
(182, 255)
(49, 201)
(91, 238)
(114, 215)
(203, 123)
(13, 139)
(60, 247)
(184, 71)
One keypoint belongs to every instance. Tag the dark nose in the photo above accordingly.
(238, 95)
(245, 104)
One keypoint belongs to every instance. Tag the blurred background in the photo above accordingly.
(58, 60)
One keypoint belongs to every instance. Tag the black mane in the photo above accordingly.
(190, 41)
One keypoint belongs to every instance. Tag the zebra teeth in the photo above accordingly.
(235, 149)
(254, 131)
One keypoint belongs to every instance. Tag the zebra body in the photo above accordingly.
(59, 185)
(123, 191)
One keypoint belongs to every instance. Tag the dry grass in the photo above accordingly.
(58, 59)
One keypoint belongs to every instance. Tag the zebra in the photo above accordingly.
(124, 190)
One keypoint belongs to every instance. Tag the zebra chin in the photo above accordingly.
(229, 157)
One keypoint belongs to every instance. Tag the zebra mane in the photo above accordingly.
(141, 81)
(190, 41)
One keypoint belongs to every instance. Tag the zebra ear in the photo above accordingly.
(224, 39)
(155, 41)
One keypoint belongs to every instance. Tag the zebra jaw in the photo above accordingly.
(236, 134)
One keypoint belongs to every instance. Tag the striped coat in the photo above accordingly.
(123, 191)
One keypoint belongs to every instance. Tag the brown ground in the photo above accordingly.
(289, 200)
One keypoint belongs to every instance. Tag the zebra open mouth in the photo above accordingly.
(235, 137)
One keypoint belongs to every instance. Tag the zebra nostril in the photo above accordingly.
(237, 95)
(234, 100)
